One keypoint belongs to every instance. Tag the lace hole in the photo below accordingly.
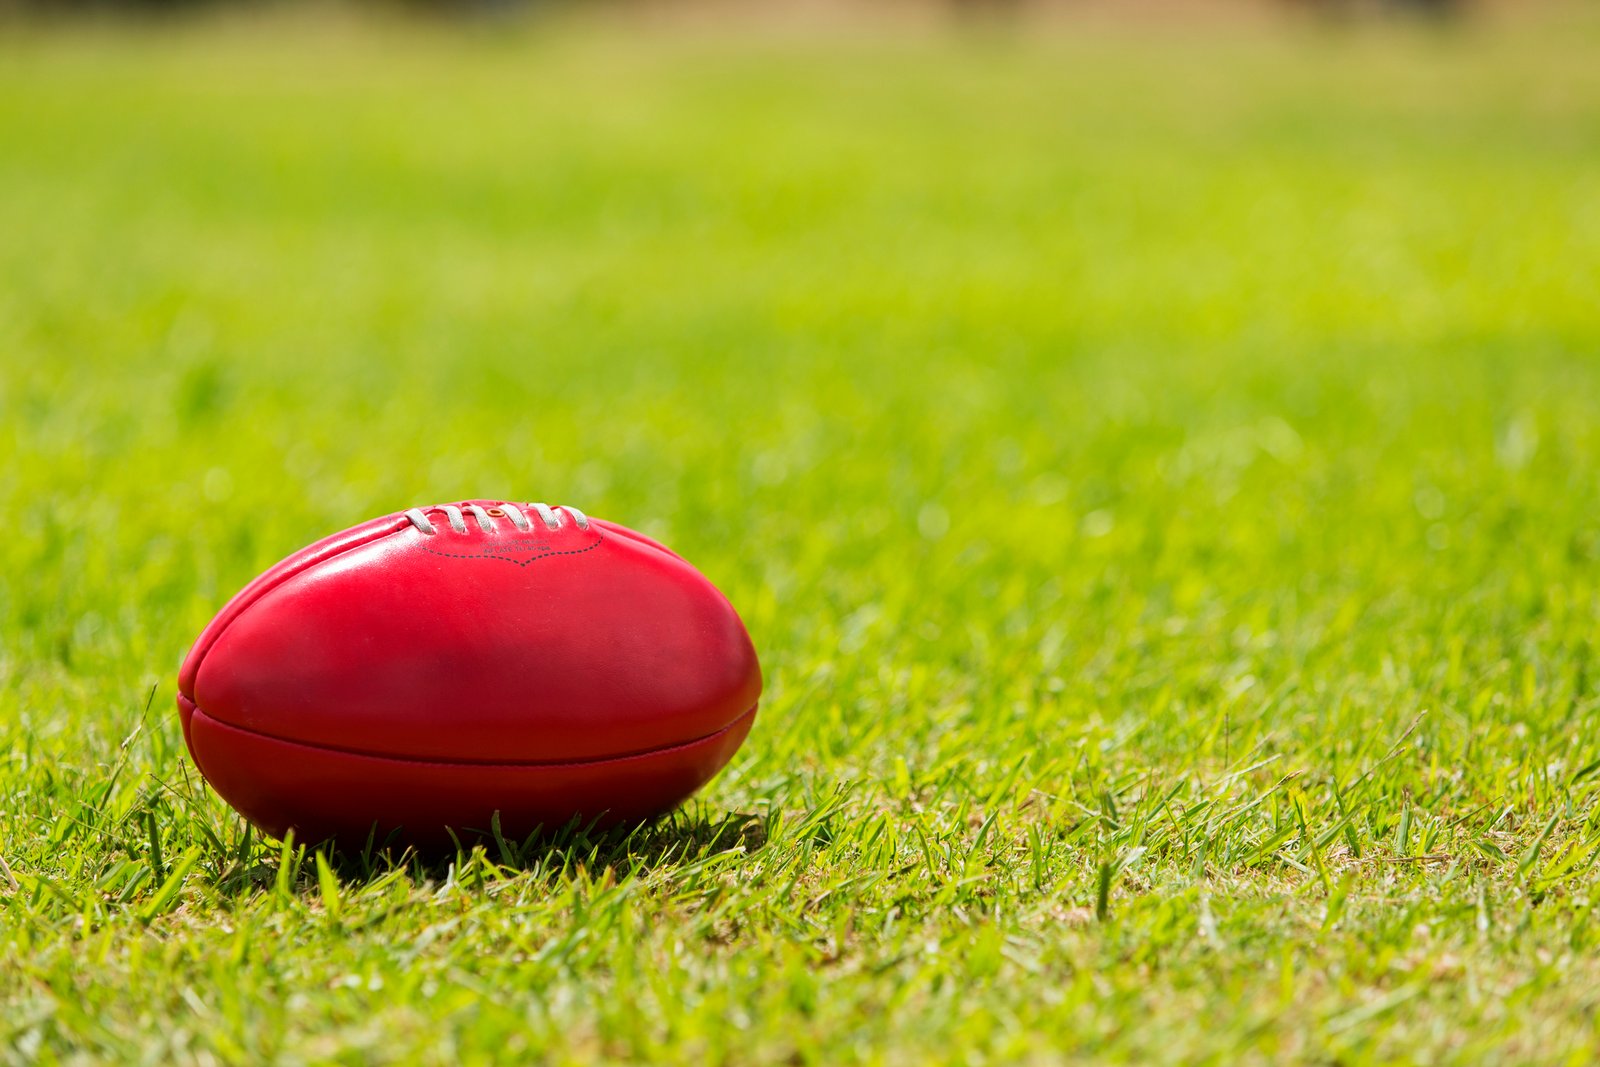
(496, 513)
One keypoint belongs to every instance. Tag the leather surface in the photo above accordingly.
(306, 557)
(469, 650)
(323, 794)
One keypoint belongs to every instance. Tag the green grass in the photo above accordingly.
(1161, 474)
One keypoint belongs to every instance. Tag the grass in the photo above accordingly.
(1160, 471)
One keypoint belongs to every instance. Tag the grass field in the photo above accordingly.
(1160, 470)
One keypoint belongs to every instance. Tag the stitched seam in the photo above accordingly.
(634, 537)
(291, 572)
(481, 763)
(519, 562)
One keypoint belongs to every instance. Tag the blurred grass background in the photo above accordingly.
(1079, 415)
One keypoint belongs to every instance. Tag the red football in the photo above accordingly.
(424, 671)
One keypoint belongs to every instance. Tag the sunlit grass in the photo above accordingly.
(1160, 476)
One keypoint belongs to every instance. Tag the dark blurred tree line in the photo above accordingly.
(983, 9)
(159, 7)
(1330, 8)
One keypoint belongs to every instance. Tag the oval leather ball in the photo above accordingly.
(418, 674)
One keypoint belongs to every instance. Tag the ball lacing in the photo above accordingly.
(550, 516)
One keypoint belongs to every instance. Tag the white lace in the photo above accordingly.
(550, 516)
